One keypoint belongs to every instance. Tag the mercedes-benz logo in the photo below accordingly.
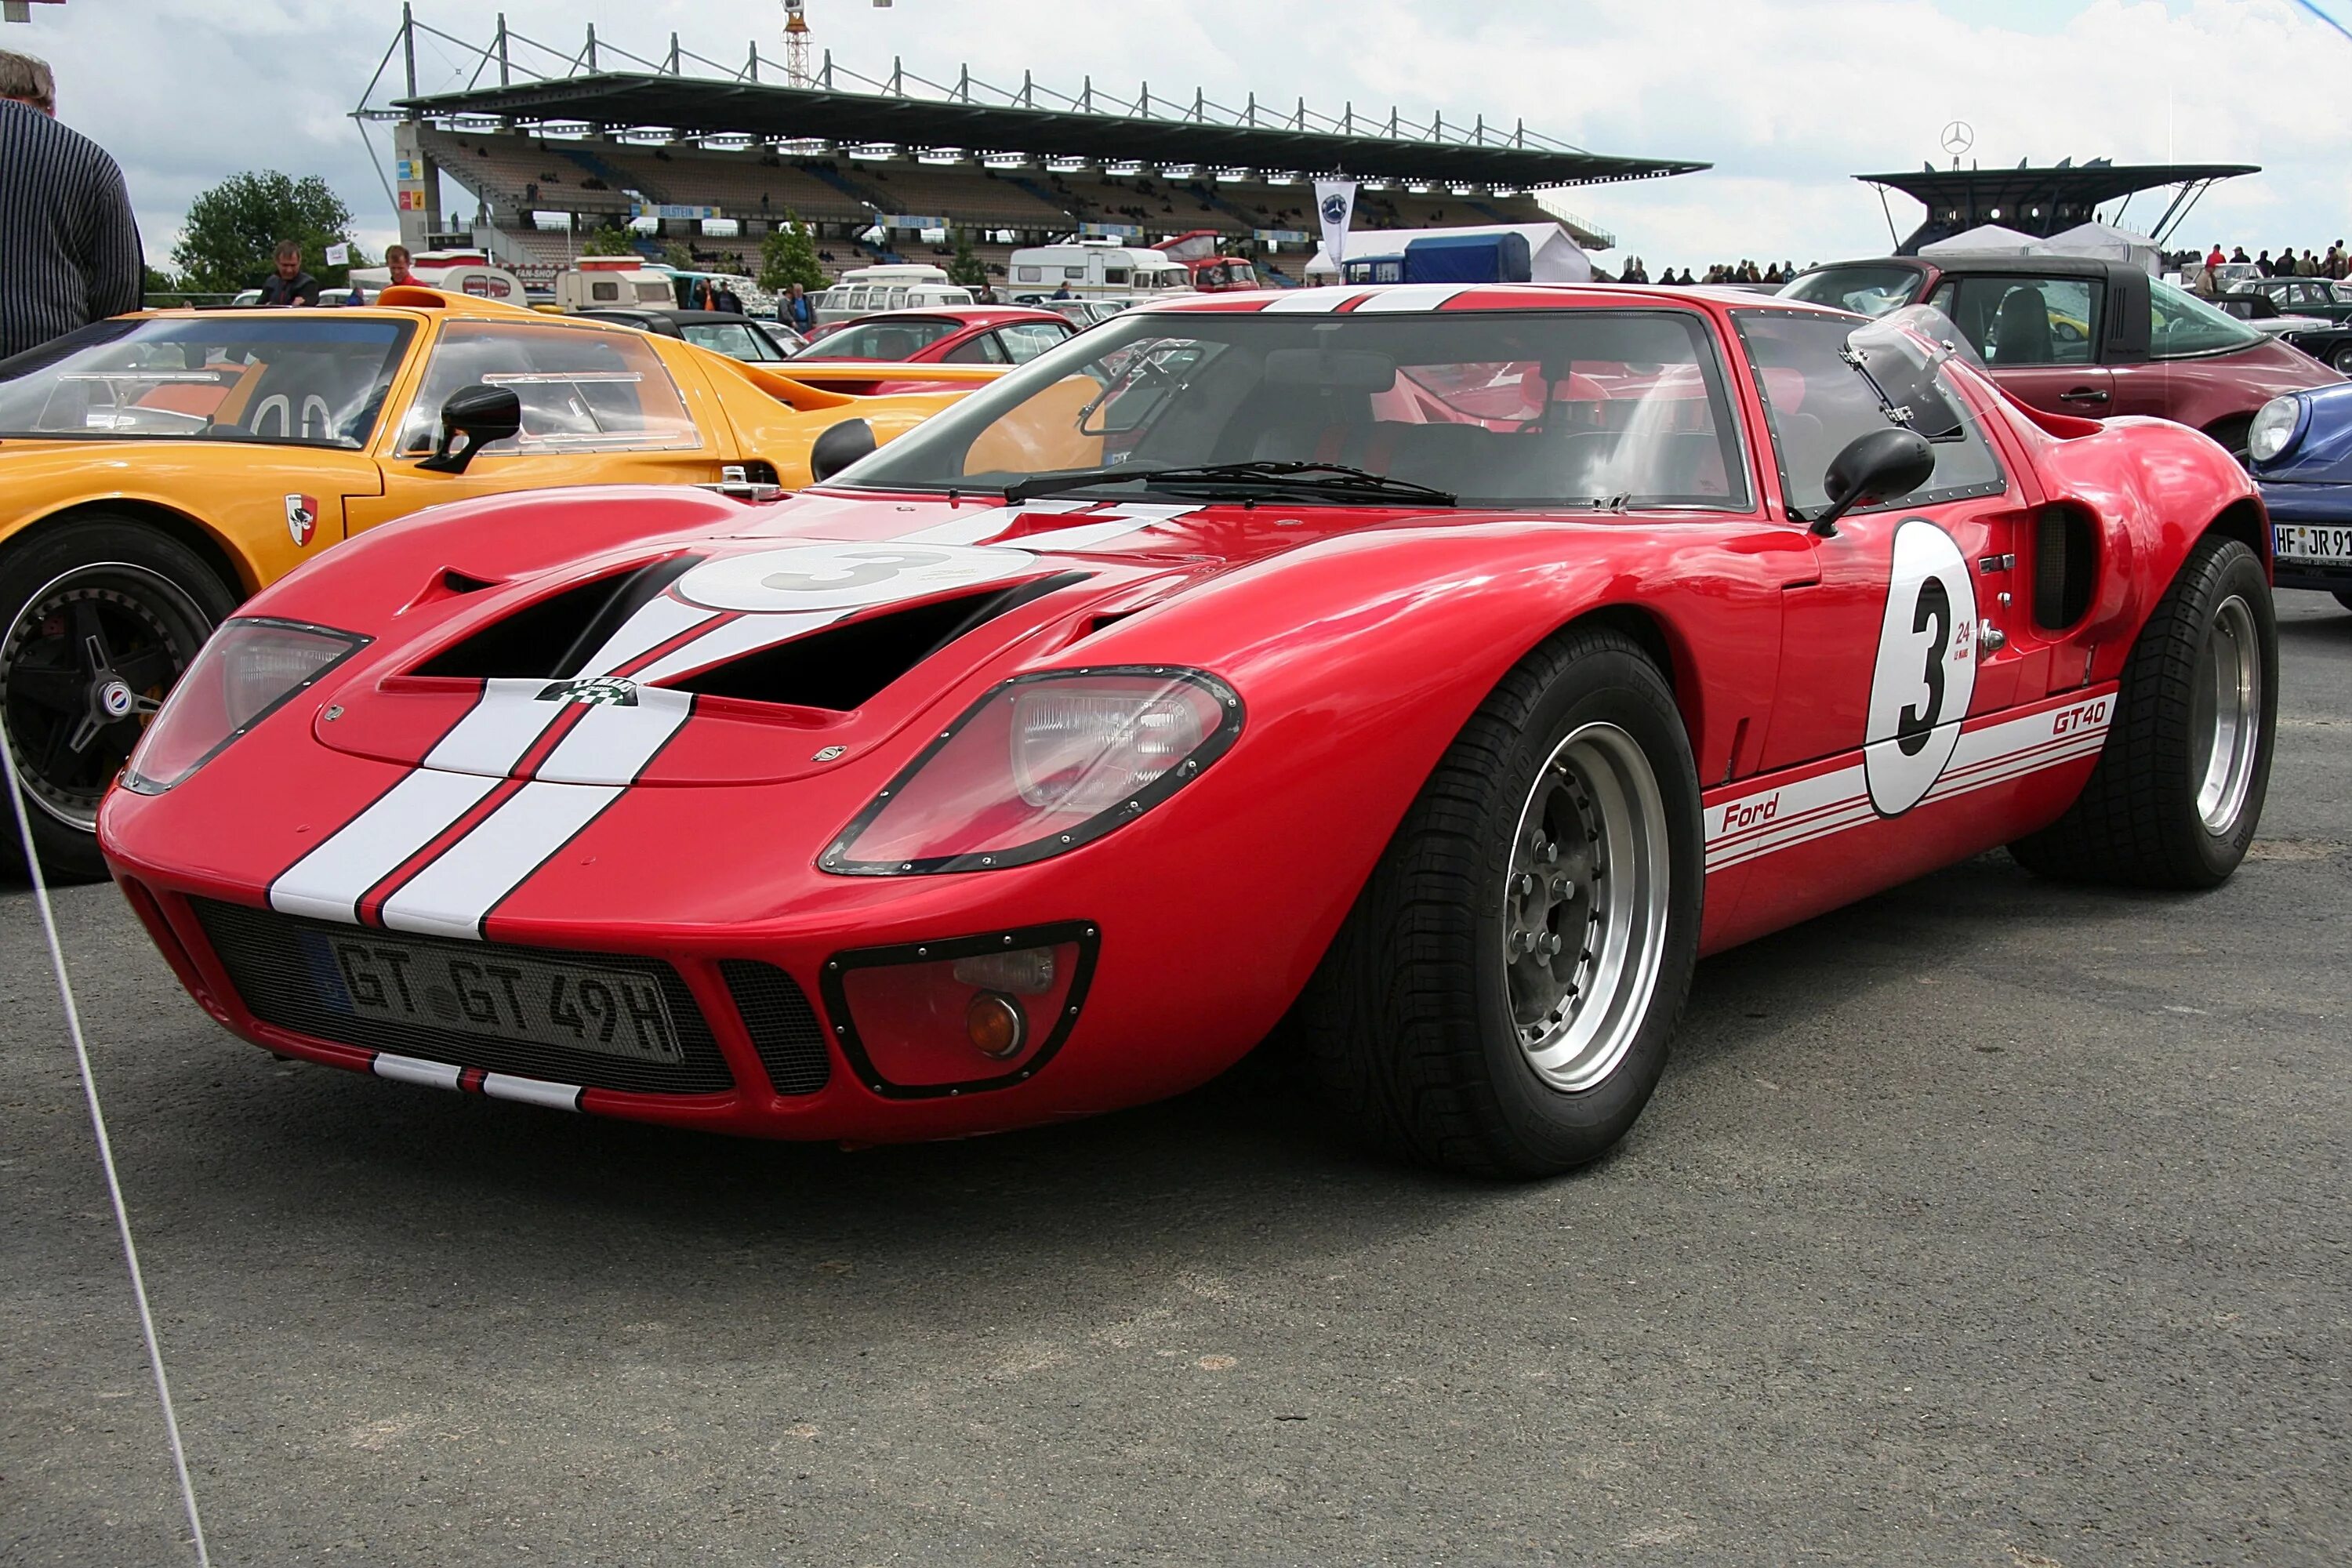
(1959, 136)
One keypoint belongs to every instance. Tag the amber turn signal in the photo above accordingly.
(996, 1025)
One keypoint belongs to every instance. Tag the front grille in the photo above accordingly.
(783, 1027)
(269, 955)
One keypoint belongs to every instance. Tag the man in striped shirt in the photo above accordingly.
(68, 245)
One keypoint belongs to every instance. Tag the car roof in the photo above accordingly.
(2054, 265)
(667, 312)
(1478, 297)
(964, 315)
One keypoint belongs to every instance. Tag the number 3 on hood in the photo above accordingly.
(1926, 668)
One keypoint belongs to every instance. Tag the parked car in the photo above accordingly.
(2084, 337)
(862, 290)
(2303, 296)
(2301, 454)
(970, 334)
(1442, 675)
(2328, 341)
(721, 332)
(157, 469)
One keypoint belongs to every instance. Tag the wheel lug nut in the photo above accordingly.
(1560, 887)
(1524, 883)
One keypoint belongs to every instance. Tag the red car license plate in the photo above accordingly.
(500, 995)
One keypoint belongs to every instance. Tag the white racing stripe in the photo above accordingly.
(1782, 816)
(326, 883)
(744, 634)
(508, 721)
(453, 895)
(656, 622)
(1312, 302)
(1409, 297)
(613, 741)
(531, 1091)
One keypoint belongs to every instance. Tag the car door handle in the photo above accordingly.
(2083, 394)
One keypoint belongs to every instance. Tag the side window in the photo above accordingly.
(603, 288)
(582, 391)
(982, 350)
(1024, 341)
(895, 300)
(2025, 321)
(1816, 400)
(1030, 274)
(1114, 274)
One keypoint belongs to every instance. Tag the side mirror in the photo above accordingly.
(473, 418)
(1876, 465)
(837, 447)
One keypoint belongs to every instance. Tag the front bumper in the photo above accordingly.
(2308, 504)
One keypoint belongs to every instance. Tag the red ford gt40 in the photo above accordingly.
(1443, 670)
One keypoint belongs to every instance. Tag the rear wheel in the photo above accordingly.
(2342, 358)
(96, 620)
(2177, 791)
(1502, 996)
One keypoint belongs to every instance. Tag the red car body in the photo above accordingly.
(2112, 366)
(955, 334)
(1347, 646)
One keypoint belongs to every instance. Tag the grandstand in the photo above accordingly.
(879, 169)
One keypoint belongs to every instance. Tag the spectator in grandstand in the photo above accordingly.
(69, 249)
(290, 285)
(798, 312)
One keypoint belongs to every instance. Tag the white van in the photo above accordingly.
(595, 282)
(458, 271)
(864, 290)
(1095, 269)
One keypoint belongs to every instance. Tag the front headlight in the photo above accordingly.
(250, 668)
(2273, 429)
(1042, 764)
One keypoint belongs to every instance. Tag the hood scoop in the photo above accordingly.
(550, 639)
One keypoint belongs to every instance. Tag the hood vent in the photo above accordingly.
(843, 666)
(551, 639)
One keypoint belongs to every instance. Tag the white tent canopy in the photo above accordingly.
(2102, 243)
(1985, 240)
(1552, 257)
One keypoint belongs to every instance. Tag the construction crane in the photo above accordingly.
(796, 40)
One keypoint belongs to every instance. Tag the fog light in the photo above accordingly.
(997, 1025)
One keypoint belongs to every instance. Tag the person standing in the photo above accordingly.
(289, 285)
(396, 263)
(69, 251)
(800, 314)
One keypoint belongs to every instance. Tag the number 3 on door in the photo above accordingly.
(1926, 668)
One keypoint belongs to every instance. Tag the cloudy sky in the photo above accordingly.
(1786, 98)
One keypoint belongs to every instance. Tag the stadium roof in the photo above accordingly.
(2043, 201)
(692, 106)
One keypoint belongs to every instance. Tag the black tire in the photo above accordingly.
(2137, 822)
(2341, 359)
(1409, 1022)
(151, 602)
(2232, 433)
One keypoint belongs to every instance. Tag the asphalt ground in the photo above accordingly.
(1989, 1222)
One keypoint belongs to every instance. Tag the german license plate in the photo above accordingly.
(2314, 542)
(497, 995)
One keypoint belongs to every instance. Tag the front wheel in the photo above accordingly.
(2341, 359)
(1502, 996)
(98, 618)
(2178, 788)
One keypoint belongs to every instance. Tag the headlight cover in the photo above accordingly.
(250, 668)
(1040, 765)
(2274, 429)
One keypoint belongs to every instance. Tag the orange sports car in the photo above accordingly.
(158, 467)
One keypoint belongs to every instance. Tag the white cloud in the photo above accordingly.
(1787, 99)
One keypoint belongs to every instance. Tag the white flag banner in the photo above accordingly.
(339, 255)
(1334, 205)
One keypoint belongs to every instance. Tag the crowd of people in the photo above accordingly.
(1636, 271)
(2287, 263)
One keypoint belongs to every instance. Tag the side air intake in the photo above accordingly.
(2065, 561)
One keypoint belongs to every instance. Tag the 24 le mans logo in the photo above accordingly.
(301, 518)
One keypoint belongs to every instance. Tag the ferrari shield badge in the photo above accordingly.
(593, 691)
(302, 518)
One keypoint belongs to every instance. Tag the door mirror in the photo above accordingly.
(473, 418)
(1876, 465)
(837, 447)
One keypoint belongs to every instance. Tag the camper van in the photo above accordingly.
(1091, 269)
(596, 280)
(458, 271)
(909, 287)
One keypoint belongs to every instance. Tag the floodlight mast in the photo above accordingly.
(797, 43)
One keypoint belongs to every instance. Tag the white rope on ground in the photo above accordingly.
(10, 782)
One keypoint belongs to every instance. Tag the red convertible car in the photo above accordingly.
(1442, 670)
(975, 334)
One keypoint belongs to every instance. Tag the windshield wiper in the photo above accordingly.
(1328, 477)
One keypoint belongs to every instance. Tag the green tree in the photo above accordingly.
(678, 255)
(787, 255)
(232, 232)
(610, 240)
(967, 268)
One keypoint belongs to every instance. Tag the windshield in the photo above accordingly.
(312, 381)
(734, 339)
(2180, 325)
(890, 339)
(1508, 410)
(1872, 289)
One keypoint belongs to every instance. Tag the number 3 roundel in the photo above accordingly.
(1926, 668)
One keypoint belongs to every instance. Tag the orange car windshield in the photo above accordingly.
(311, 381)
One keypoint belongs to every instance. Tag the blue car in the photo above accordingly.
(2300, 449)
